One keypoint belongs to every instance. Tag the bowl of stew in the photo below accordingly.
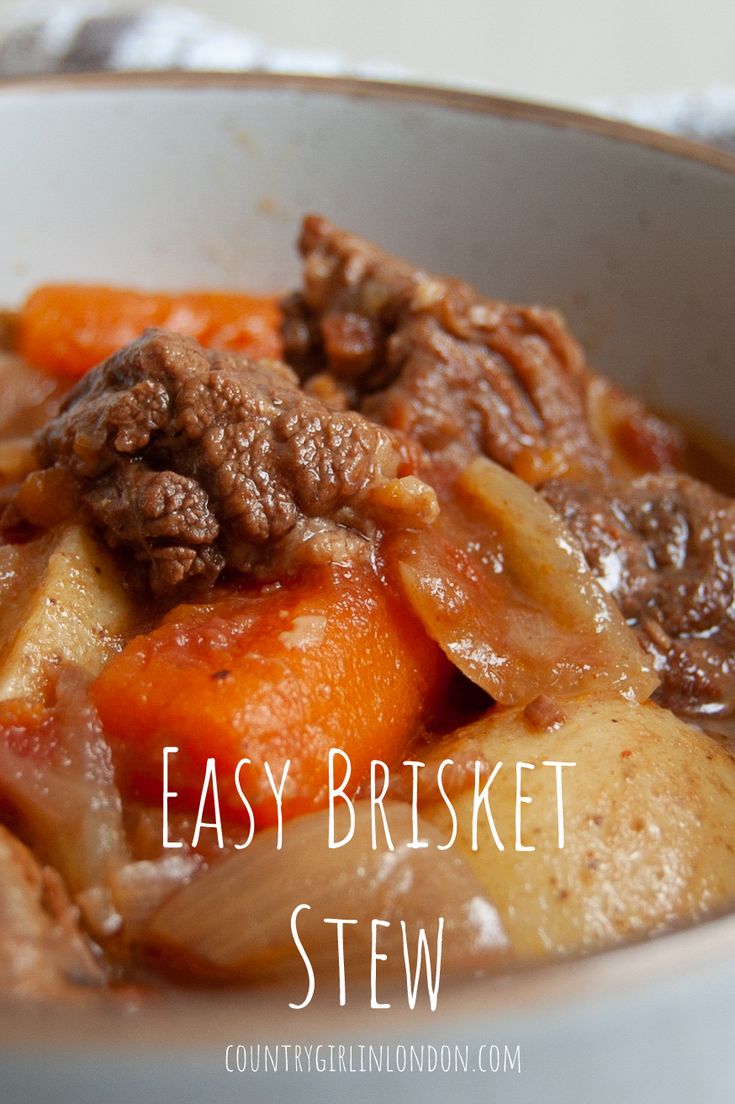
(367, 591)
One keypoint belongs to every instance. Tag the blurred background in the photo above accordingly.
(652, 60)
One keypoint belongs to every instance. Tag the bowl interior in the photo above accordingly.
(203, 182)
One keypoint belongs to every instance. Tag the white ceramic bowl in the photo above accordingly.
(202, 181)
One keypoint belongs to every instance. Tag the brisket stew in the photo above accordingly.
(383, 536)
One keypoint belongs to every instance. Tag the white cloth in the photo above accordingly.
(83, 37)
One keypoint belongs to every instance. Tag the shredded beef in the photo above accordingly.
(664, 547)
(462, 375)
(195, 460)
(458, 373)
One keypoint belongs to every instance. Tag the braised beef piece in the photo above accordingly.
(464, 375)
(458, 373)
(664, 547)
(195, 460)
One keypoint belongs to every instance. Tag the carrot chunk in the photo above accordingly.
(331, 659)
(67, 329)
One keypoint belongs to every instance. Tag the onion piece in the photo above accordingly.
(42, 951)
(58, 779)
(17, 458)
(138, 889)
(233, 922)
(636, 440)
(30, 396)
(502, 588)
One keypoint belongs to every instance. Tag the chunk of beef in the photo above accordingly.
(195, 460)
(458, 373)
(664, 547)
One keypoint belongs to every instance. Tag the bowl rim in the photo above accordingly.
(520, 990)
(397, 92)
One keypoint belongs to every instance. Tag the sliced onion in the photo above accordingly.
(634, 438)
(138, 889)
(29, 395)
(42, 951)
(500, 585)
(59, 781)
(17, 458)
(233, 922)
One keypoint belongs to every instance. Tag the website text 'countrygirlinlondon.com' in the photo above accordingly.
(373, 1058)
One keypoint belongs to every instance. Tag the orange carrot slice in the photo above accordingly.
(332, 659)
(67, 329)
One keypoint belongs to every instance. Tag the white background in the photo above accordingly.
(562, 50)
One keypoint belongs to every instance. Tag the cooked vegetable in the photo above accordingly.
(637, 441)
(63, 602)
(138, 889)
(17, 459)
(330, 659)
(498, 583)
(234, 921)
(62, 610)
(649, 823)
(56, 776)
(42, 951)
(29, 396)
(67, 329)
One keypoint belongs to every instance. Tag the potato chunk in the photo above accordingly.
(649, 819)
(62, 601)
